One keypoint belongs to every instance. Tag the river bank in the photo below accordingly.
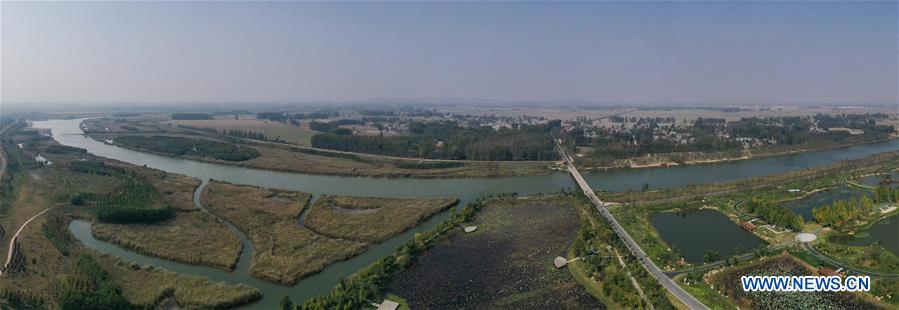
(669, 160)
(284, 157)
(69, 133)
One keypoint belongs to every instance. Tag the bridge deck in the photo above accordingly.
(635, 249)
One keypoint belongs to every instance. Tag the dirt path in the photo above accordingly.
(12, 241)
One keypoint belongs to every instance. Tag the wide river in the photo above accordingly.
(68, 132)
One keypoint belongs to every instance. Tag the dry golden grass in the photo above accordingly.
(174, 189)
(44, 268)
(371, 219)
(146, 286)
(191, 237)
(284, 251)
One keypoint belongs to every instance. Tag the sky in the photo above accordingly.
(603, 52)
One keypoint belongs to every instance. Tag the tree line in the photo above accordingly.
(661, 135)
(445, 140)
(178, 146)
(245, 134)
(775, 214)
(92, 288)
(191, 116)
(842, 212)
(131, 202)
(591, 245)
(293, 118)
(333, 126)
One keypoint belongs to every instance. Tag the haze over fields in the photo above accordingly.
(608, 52)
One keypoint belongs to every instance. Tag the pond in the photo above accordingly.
(805, 205)
(885, 232)
(874, 180)
(696, 233)
(68, 132)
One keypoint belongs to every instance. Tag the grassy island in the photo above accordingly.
(284, 251)
(371, 219)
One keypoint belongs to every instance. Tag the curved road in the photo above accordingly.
(808, 247)
(635, 249)
(12, 241)
(742, 257)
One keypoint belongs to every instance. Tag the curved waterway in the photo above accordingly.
(68, 132)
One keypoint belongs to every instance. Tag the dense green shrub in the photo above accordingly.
(775, 214)
(445, 140)
(177, 146)
(93, 289)
(191, 116)
(131, 202)
(94, 167)
(64, 149)
(429, 165)
(333, 125)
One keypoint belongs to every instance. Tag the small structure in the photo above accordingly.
(805, 237)
(388, 305)
(560, 262)
(469, 229)
(747, 225)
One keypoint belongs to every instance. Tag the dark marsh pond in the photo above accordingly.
(697, 232)
(68, 132)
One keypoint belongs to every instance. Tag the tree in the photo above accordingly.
(711, 256)
(285, 303)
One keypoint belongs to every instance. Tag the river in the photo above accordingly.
(68, 132)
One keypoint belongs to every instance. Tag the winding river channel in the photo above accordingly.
(68, 132)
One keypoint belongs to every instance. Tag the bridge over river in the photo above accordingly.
(635, 249)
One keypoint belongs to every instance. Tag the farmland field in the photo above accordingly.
(506, 263)
(292, 134)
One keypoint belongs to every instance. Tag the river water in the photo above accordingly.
(689, 232)
(804, 206)
(68, 132)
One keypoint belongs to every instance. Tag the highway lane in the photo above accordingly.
(635, 249)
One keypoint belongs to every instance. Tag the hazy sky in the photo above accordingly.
(610, 52)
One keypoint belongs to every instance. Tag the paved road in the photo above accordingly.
(12, 241)
(808, 247)
(742, 257)
(635, 249)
